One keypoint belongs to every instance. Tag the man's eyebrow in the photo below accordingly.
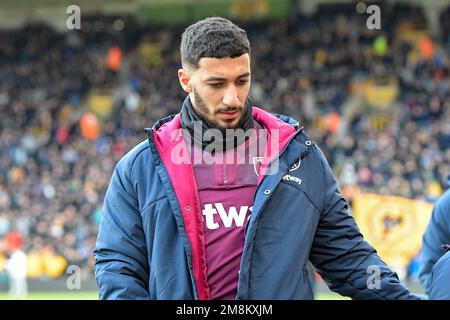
(224, 79)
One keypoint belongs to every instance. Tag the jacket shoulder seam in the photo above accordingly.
(135, 157)
(306, 195)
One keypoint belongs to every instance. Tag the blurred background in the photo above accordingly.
(369, 81)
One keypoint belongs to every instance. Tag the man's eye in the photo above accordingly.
(215, 85)
(243, 82)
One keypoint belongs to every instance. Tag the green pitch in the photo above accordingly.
(64, 295)
(83, 295)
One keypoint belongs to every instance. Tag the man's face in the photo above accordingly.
(219, 90)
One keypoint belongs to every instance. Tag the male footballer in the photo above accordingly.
(227, 201)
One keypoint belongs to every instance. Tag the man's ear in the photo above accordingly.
(185, 80)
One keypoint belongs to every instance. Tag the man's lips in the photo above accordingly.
(230, 114)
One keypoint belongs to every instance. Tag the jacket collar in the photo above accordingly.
(165, 127)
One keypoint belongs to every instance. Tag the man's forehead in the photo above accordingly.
(225, 67)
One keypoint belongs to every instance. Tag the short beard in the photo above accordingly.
(202, 111)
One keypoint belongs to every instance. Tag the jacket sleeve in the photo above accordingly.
(349, 265)
(121, 267)
(436, 234)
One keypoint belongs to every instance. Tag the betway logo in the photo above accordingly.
(288, 177)
(227, 217)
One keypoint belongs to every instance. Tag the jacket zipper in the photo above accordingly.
(279, 155)
(188, 249)
(267, 200)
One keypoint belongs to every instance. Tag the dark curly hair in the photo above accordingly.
(213, 37)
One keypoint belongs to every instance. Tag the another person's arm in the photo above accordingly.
(440, 279)
(436, 234)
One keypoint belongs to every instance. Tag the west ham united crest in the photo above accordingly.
(257, 162)
(296, 165)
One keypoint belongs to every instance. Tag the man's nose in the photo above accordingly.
(231, 97)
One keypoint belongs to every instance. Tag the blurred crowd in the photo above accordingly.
(53, 180)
